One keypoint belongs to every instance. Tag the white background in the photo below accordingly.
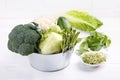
(16, 67)
(30, 8)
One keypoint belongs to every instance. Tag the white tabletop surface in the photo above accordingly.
(16, 67)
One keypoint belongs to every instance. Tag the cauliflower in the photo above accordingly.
(44, 22)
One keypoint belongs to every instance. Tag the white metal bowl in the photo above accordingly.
(51, 62)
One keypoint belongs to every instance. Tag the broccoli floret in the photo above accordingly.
(23, 39)
(26, 49)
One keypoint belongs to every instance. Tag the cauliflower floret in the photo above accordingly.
(44, 22)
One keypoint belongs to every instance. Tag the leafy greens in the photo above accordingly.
(95, 42)
(83, 20)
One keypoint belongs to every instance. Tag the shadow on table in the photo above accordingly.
(86, 68)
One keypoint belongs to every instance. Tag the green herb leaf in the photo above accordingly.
(95, 42)
(108, 42)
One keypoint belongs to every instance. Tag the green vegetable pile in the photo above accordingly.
(95, 42)
(59, 36)
(26, 39)
(93, 58)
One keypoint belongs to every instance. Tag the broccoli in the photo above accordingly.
(23, 39)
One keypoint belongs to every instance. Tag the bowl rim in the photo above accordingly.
(59, 53)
